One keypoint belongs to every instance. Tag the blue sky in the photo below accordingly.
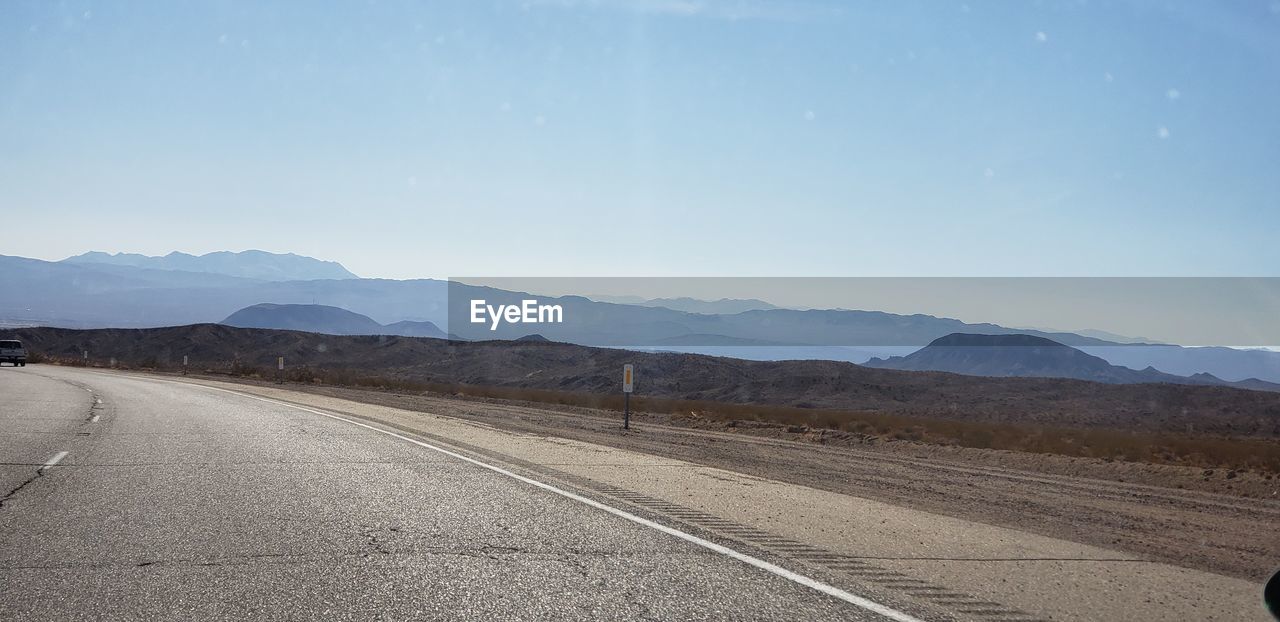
(650, 137)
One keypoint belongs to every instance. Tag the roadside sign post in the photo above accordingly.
(628, 385)
(184, 364)
(86, 358)
(280, 370)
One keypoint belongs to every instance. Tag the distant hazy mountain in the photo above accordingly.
(310, 318)
(724, 306)
(1030, 356)
(1228, 363)
(407, 328)
(1008, 355)
(591, 322)
(90, 295)
(326, 320)
(1109, 336)
(250, 264)
(1093, 332)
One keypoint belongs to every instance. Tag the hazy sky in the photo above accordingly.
(650, 137)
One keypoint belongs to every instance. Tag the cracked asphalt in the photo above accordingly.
(178, 502)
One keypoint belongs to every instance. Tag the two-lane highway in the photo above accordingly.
(184, 502)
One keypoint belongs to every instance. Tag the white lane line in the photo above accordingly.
(831, 590)
(54, 460)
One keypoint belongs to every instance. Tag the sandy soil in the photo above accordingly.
(1228, 523)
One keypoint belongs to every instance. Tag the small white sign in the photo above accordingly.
(280, 363)
(628, 378)
(184, 360)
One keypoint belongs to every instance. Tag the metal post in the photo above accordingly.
(628, 385)
(280, 370)
(184, 364)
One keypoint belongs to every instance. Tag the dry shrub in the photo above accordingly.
(1110, 444)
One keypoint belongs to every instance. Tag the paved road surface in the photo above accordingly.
(184, 502)
(952, 566)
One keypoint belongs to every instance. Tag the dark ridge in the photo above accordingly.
(568, 367)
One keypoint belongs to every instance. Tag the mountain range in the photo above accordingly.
(79, 294)
(250, 264)
(1008, 355)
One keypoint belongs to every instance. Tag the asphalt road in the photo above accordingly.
(134, 498)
